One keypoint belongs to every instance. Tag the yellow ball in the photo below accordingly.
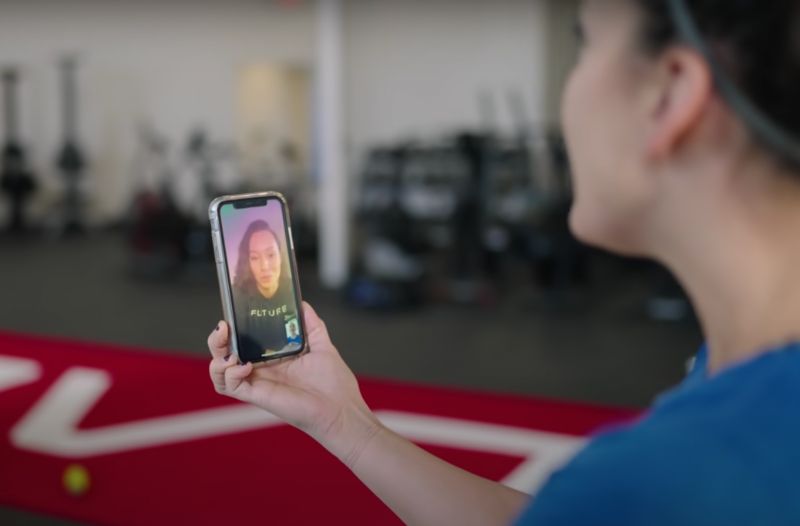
(76, 480)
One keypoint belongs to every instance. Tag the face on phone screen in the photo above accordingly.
(265, 304)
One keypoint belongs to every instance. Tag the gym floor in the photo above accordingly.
(605, 352)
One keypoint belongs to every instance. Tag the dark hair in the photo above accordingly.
(755, 42)
(244, 281)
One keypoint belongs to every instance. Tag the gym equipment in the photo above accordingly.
(470, 261)
(202, 161)
(76, 480)
(71, 161)
(559, 260)
(389, 274)
(158, 229)
(168, 234)
(445, 220)
(668, 301)
(16, 180)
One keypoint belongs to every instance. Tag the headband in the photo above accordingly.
(763, 127)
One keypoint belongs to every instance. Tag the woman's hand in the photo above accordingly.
(315, 392)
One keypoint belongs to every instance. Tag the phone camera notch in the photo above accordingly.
(250, 203)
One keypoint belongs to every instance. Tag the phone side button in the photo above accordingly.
(291, 239)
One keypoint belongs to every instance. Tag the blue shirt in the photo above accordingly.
(715, 451)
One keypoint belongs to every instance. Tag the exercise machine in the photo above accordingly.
(16, 180)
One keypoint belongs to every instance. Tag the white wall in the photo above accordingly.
(172, 63)
(417, 68)
(412, 68)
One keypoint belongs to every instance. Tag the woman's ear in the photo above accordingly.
(684, 88)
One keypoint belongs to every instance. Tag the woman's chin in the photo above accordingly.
(583, 227)
(272, 285)
(600, 232)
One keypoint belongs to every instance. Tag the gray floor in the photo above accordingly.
(604, 351)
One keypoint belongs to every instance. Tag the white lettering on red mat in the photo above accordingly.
(18, 371)
(51, 426)
(543, 452)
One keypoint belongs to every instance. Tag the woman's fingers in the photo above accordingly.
(317, 331)
(217, 369)
(311, 317)
(235, 380)
(218, 341)
(222, 360)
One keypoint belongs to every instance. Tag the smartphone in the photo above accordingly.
(257, 272)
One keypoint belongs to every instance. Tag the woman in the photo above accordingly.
(263, 299)
(688, 160)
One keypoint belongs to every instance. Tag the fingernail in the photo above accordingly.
(228, 357)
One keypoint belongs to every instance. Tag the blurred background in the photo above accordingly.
(418, 143)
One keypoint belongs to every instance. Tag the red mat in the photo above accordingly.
(160, 446)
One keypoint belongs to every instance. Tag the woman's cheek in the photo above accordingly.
(591, 132)
(577, 123)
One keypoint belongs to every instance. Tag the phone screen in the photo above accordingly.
(262, 282)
